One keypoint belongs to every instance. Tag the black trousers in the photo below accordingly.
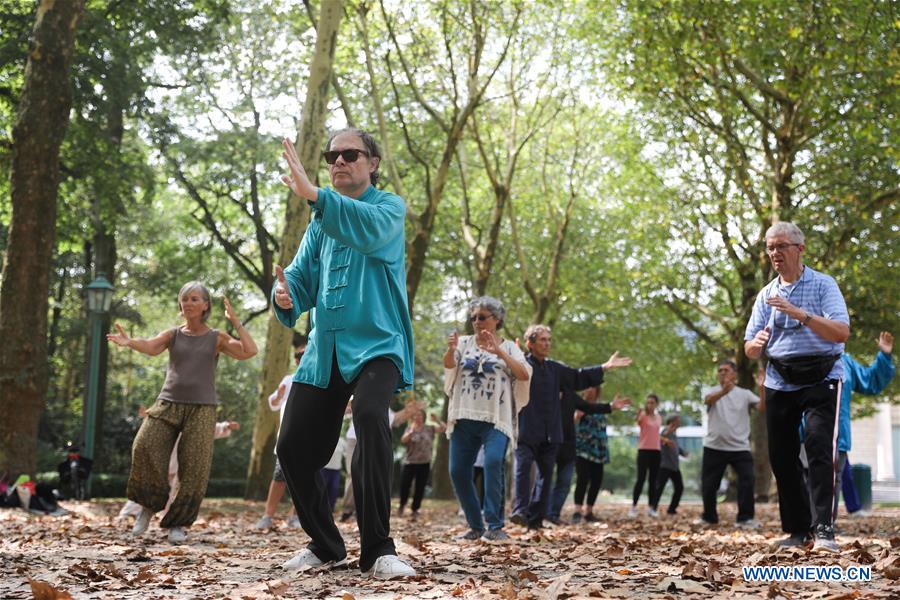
(647, 462)
(544, 456)
(588, 478)
(712, 470)
(309, 434)
(661, 480)
(419, 474)
(783, 413)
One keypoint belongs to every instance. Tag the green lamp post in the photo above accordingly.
(99, 299)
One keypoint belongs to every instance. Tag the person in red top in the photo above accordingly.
(649, 454)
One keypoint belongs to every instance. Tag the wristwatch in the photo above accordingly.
(807, 319)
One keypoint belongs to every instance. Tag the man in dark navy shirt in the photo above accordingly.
(540, 422)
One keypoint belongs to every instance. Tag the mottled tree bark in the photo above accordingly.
(43, 116)
(278, 337)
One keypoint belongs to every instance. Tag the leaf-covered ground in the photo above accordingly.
(90, 554)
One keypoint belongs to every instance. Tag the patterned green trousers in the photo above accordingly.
(148, 483)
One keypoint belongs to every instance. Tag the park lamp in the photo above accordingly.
(99, 300)
(99, 294)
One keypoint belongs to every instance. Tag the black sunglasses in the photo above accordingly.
(474, 318)
(349, 155)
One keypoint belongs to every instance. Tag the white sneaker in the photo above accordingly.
(142, 522)
(265, 522)
(748, 524)
(293, 522)
(177, 535)
(633, 512)
(652, 513)
(389, 566)
(306, 558)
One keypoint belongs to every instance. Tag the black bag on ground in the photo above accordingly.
(804, 370)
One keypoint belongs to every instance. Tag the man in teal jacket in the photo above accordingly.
(350, 274)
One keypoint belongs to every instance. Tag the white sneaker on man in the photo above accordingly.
(306, 558)
(265, 522)
(633, 512)
(389, 566)
(177, 535)
(651, 512)
(142, 522)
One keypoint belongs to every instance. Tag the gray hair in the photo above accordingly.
(490, 304)
(784, 228)
(534, 331)
(368, 141)
(190, 286)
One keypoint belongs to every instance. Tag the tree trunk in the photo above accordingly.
(441, 486)
(41, 123)
(278, 338)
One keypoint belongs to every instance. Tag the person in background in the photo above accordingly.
(592, 452)
(648, 456)
(668, 465)
(419, 442)
(540, 423)
(727, 442)
(186, 407)
(566, 456)
(277, 401)
(486, 381)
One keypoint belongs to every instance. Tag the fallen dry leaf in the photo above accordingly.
(557, 586)
(41, 590)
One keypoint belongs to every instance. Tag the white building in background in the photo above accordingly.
(876, 442)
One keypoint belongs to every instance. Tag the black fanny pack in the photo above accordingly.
(804, 370)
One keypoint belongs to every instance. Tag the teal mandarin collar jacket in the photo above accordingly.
(350, 273)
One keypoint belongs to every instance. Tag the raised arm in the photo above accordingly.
(241, 349)
(150, 346)
(873, 379)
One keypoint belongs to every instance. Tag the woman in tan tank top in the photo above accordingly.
(186, 406)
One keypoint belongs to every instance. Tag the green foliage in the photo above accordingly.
(678, 130)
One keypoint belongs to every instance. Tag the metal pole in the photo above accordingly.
(93, 383)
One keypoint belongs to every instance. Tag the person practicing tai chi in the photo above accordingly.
(591, 451)
(649, 454)
(540, 422)
(185, 407)
(669, 469)
(727, 443)
(486, 382)
(800, 321)
(350, 268)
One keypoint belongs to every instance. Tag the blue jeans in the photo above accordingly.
(467, 437)
(560, 491)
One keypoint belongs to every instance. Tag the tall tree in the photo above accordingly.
(428, 74)
(278, 337)
(43, 117)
